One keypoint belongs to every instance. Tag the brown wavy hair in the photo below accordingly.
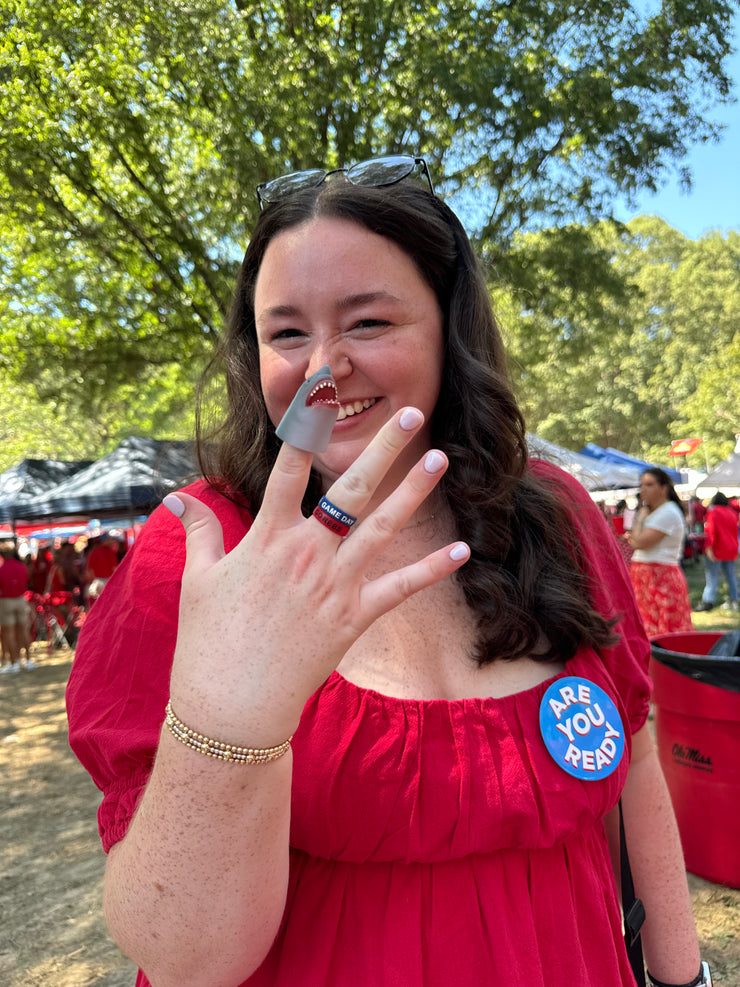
(525, 579)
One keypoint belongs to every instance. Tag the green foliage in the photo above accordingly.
(31, 430)
(134, 134)
(582, 365)
(713, 410)
(158, 404)
(110, 265)
(695, 292)
(637, 369)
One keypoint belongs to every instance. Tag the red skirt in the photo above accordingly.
(662, 597)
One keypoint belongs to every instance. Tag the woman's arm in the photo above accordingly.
(668, 935)
(195, 891)
(642, 537)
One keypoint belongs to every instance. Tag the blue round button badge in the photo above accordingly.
(581, 728)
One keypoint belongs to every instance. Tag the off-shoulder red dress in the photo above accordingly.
(433, 843)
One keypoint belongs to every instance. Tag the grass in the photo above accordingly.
(717, 619)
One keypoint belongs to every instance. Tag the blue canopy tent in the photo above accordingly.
(610, 455)
(593, 474)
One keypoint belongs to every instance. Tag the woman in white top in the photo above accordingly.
(657, 536)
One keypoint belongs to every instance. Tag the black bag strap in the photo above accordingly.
(633, 909)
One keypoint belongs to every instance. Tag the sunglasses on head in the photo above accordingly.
(376, 172)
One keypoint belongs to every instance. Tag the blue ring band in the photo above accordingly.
(333, 511)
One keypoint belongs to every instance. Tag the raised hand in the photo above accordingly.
(262, 627)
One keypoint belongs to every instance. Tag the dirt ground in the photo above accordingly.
(51, 929)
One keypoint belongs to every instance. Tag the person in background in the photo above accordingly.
(101, 563)
(720, 553)
(42, 562)
(405, 604)
(657, 537)
(14, 609)
(70, 563)
(64, 589)
(697, 515)
(621, 523)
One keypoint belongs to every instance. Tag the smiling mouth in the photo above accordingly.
(324, 394)
(354, 408)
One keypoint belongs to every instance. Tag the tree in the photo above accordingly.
(30, 430)
(699, 371)
(583, 359)
(33, 428)
(713, 411)
(133, 136)
(634, 370)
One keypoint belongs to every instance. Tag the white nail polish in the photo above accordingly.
(410, 418)
(174, 504)
(434, 462)
(459, 552)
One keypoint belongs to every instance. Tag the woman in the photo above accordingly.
(720, 551)
(417, 829)
(657, 536)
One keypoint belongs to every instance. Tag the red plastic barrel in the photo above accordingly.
(698, 734)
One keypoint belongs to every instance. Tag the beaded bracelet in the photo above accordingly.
(223, 752)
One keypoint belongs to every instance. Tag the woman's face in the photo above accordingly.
(331, 292)
(651, 492)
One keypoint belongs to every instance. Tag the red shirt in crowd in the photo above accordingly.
(102, 561)
(721, 532)
(13, 579)
(40, 570)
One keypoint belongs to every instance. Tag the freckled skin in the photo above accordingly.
(309, 427)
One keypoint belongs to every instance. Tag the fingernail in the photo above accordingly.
(434, 462)
(459, 552)
(410, 418)
(174, 504)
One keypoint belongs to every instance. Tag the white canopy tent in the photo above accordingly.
(725, 477)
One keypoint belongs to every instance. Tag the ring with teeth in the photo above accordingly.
(354, 408)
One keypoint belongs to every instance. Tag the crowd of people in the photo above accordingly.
(53, 580)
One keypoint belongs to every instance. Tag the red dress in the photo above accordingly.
(433, 843)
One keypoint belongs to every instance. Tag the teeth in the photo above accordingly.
(321, 386)
(347, 410)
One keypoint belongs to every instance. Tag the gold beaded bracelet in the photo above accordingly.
(223, 752)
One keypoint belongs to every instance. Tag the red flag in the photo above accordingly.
(682, 447)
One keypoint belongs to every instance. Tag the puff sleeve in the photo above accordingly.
(119, 684)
